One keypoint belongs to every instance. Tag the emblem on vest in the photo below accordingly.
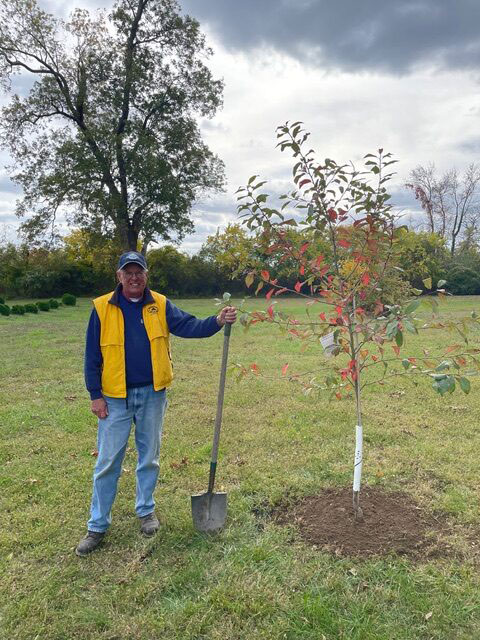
(153, 309)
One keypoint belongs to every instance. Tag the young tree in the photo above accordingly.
(352, 210)
(108, 130)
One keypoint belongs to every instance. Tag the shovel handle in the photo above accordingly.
(218, 418)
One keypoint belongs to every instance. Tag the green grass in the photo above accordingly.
(256, 579)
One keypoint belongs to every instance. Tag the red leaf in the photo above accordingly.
(332, 215)
(344, 243)
(304, 247)
(279, 291)
(338, 395)
(269, 294)
(322, 316)
(324, 270)
(344, 374)
(265, 275)
(378, 308)
(318, 260)
(298, 286)
(306, 181)
(254, 368)
(270, 311)
(302, 270)
(284, 369)
(365, 279)
(338, 309)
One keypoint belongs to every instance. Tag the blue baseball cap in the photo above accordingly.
(132, 257)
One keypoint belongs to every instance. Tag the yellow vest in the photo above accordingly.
(112, 343)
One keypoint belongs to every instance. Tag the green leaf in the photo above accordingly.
(409, 326)
(413, 306)
(399, 338)
(226, 297)
(441, 283)
(444, 385)
(405, 364)
(464, 384)
(416, 292)
(428, 283)
(443, 365)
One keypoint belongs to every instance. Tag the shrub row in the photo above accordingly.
(43, 305)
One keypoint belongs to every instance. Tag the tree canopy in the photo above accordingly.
(108, 131)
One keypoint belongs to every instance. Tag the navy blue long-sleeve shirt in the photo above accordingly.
(138, 360)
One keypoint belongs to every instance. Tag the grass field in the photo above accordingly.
(256, 579)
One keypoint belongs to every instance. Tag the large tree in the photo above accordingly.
(107, 133)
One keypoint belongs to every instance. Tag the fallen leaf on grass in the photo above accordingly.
(177, 465)
(428, 615)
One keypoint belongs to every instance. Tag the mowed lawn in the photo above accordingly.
(256, 579)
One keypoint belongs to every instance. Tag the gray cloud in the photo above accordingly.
(391, 36)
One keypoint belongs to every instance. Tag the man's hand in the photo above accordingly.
(227, 314)
(100, 408)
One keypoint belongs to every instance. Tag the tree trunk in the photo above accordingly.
(358, 459)
(132, 238)
(129, 237)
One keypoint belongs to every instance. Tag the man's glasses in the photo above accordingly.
(130, 275)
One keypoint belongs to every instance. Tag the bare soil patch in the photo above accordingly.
(393, 523)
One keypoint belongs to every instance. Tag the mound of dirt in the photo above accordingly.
(392, 523)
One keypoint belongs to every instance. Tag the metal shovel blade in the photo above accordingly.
(209, 511)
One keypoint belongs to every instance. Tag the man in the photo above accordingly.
(127, 369)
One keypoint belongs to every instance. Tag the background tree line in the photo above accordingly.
(85, 265)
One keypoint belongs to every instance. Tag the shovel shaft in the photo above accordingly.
(211, 479)
(218, 417)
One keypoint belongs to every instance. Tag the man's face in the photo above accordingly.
(133, 280)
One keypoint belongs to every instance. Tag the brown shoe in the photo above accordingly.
(149, 524)
(89, 543)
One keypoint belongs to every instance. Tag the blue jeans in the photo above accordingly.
(145, 408)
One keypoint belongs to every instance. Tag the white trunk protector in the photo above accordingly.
(357, 469)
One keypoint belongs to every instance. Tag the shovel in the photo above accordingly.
(209, 510)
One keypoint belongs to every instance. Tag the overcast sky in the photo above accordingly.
(399, 74)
